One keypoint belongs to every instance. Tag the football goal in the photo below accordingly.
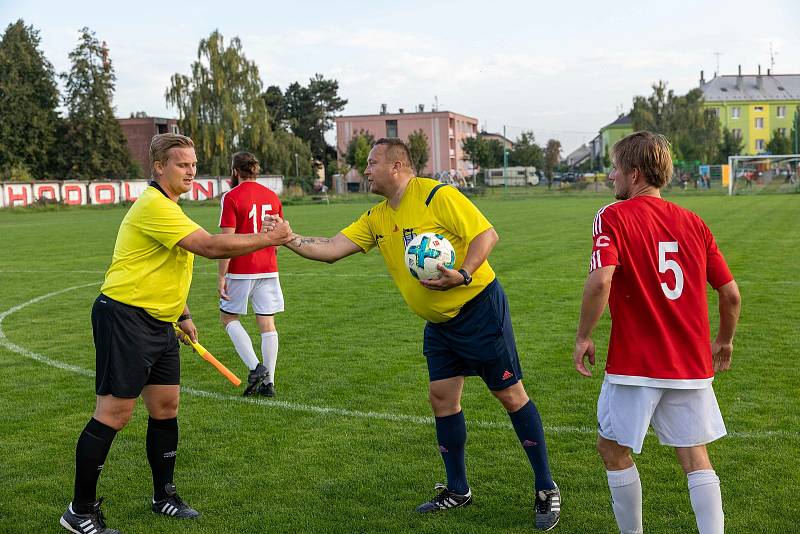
(764, 174)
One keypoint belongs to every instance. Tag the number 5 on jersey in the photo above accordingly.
(253, 215)
(664, 265)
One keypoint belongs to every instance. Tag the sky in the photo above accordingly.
(561, 69)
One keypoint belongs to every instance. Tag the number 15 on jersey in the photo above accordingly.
(253, 214)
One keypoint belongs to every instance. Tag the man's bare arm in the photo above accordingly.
(730, 304)
(216, 246)
(595, 298)
(327, 249)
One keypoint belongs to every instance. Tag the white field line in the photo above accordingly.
(289, 274)
(319, 410)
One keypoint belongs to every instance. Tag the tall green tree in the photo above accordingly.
(358, 150)
(276, 107)
(552, 158)
(28, 101)
(693, 130)
(526, 152)
(729, 145)
(94, 146)
(220, 105)
(418, 148)
(310, 112)
(779, 144)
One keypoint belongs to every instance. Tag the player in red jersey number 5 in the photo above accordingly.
(651, 261)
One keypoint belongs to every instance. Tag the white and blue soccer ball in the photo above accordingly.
(425, 252)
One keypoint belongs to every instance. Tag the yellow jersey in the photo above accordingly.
(148, 269)
(445, 211)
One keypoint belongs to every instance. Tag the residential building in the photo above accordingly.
(139, 130)
(613, 132)
(578, 156)
(445, 131)
(753, 107)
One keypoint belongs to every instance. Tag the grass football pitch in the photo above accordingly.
(348, 445)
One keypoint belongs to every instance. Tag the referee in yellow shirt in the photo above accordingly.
(469, 326)
(144, 293)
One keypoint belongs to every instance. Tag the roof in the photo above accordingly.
(775, 87)
(623, 120)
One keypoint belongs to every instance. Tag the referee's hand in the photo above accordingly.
(189, 331)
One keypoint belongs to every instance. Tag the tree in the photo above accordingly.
(273, 99)
(288, 155)
(310, 112)
(93, 143)
(418, 148)
(526, 152)
(779, 144)
(28, 101)
(494, 153)
(358, 150)
(730, 145)
(693, 130)
(220, 106)
(552, 157)
(476, 151)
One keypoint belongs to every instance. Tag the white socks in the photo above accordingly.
(626, 495)
(269, 351)
(242, 343)
(706, 498)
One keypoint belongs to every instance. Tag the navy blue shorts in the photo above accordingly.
(479, 341)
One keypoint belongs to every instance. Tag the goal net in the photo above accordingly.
(764, 174)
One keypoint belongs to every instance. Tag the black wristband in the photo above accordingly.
(184, 317)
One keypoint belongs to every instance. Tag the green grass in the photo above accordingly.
(348, 342)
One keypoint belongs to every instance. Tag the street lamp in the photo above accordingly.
(296, 166)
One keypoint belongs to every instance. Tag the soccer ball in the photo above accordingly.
(425, 252)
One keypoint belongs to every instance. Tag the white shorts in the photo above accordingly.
(265, 293)
(680, 417)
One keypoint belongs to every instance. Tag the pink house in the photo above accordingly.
(445, 131)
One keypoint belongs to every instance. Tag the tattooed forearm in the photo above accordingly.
(299, 241)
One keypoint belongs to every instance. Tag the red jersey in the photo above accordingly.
(664, 254)
(243, 208)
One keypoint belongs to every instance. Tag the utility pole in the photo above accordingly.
(717, 73)
(505, 160)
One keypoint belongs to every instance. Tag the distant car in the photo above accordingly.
(569, 177)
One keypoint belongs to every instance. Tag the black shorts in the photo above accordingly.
(133, 349)
(478, 341)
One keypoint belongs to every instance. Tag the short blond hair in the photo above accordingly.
(648, 152)
(162, 143)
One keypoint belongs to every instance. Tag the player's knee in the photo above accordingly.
(226, 318)
(512, 398)
(115, 418)
(614, 456)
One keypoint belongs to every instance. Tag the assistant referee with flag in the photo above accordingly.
(144, 293)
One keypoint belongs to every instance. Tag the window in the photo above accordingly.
(736, 113)
(737, 133)
(781, 112)
(391, 128)
(760, 123)
(715, 111)
(759, 144)
(174, 128)
(758, 108)
(781, 132)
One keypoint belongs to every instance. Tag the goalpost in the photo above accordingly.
(778, 173)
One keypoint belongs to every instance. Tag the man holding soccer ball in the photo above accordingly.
(469, 325)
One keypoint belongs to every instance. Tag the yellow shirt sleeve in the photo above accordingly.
(458, 214)
(167, 225)
(359, 233)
